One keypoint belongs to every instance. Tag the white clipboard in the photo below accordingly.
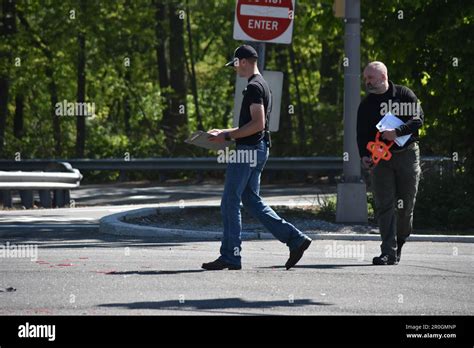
(201, 139)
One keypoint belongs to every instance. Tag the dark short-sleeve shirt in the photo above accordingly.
(256, 92)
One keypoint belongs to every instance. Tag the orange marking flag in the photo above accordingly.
(379, 149)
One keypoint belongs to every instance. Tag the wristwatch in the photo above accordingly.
(227, 136)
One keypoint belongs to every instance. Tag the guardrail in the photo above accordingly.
(333, 164)
(58, 178)
(60, 183)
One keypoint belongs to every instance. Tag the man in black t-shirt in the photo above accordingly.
(242, 180)
(395, 182)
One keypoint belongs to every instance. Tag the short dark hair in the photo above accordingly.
(252, 60)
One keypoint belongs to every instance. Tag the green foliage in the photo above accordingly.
(371, 207)
(418, 51)
(445, 201)
(327, 210)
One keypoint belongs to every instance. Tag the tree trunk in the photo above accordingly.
(329, 74)
(7, 28)
(193, 72)
(127, 112)
(9, 17)
(301, 129)
(329, 99)
(18, 118)
(53, 91)
(81, 95)
(178, 113)
(4, 89)
(161, 33)
(284, 137)
(163, 77)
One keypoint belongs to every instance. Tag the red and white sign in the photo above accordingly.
(264, 20)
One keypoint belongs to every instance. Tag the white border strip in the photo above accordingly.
(264, 11)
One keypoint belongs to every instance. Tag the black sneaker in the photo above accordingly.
(297, 254)
(399, 251)
(385, 259)
(218, 265)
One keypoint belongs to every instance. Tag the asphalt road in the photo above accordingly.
(78, 271)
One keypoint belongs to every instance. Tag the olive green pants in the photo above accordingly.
(395, 184)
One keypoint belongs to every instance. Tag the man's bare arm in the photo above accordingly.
(257, 124)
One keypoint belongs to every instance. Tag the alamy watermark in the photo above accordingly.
(345, 251)
(400, 108)
(8, 250)
(66, 108)
(237, 156)
(37, 331)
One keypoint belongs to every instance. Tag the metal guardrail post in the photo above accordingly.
(59, 198)
(7, 198)
(26, 198)
(67, 197)
(45, 198)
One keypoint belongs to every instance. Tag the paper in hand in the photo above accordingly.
(390, 121)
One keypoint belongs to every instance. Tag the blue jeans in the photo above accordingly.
(242, 184)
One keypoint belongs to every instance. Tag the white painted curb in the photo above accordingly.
(113, 224)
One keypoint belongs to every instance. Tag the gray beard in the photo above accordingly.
(380, 89)
(371, 90)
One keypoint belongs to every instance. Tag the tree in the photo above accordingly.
(177, 122)
(8, 28)
(81, 83)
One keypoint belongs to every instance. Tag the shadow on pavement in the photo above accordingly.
(157, 272)
(218, 303)
(326, 266)
(441, 269)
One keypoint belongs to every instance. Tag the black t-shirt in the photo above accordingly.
(374, 106)
(256, 92)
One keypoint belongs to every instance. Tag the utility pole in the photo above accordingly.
(351, 192)
(260, 48)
